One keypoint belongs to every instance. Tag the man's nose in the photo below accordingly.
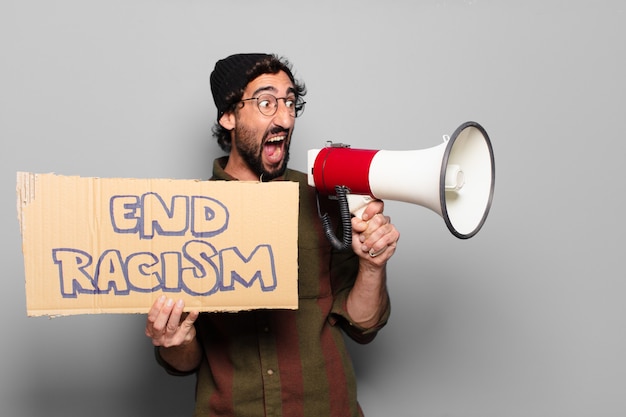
(283, 116)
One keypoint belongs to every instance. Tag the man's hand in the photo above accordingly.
(374, 237)
(168, 326)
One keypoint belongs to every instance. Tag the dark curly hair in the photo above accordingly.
(270, 64)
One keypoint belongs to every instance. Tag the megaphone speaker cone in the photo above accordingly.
(465, 210)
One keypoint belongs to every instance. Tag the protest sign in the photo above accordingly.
(114, 245)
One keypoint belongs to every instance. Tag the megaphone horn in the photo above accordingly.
(455, 179)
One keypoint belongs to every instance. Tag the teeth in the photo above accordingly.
(276, 139)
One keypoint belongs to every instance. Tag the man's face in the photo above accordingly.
(263, 141)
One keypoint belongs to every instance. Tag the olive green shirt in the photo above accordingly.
(286, 363)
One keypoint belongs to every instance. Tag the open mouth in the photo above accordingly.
(274, 149)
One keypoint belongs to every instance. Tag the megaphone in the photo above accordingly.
(455, 179)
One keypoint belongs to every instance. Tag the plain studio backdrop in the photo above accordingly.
(527, 319)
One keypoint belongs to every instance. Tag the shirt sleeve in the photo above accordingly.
(169, 368)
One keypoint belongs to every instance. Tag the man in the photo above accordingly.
(279, 362)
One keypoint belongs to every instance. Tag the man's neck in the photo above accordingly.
(237, 168)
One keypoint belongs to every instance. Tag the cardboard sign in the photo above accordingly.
(113, 245)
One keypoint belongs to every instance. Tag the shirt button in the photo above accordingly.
(270, 372)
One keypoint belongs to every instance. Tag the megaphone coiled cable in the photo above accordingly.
(345, 219)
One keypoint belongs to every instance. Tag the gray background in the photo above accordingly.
(525, 319)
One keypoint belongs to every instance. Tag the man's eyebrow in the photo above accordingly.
(271, 89)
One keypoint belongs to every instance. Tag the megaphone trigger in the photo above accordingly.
(357, 204)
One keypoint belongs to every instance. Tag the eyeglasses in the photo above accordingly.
(268, 104)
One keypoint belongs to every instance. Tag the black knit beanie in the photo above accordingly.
(230, 76)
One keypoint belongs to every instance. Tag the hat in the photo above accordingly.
(230, 76)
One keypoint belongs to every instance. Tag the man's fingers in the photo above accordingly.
(156, 308)
(164, 315)
(186, 326)
(190, 319)
(167, 322)
(175, 315)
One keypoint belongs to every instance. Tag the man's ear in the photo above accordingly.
(227, 121)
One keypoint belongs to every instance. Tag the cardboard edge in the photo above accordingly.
(25, 190)
(58, 313)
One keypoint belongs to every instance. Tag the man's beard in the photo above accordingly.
(252, 152)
